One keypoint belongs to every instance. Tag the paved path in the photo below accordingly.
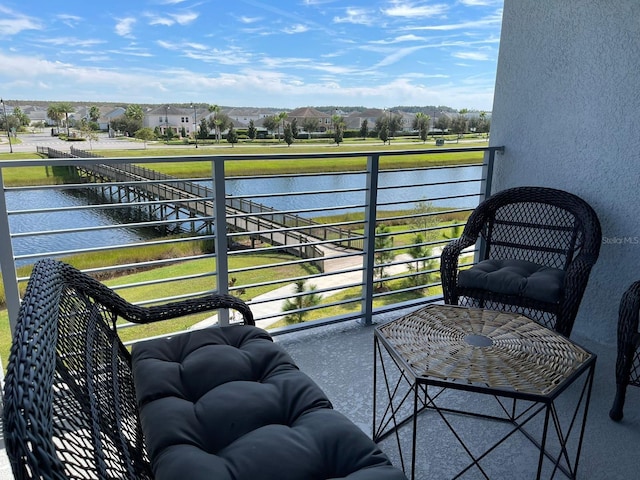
(271, 303)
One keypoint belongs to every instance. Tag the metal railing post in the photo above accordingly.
(7, 265)
(220, 233)
(485, 191)
(369, 244)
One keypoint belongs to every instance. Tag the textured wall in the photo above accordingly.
(567, 109)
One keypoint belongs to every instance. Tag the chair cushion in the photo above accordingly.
(229, 403)
(515, 277)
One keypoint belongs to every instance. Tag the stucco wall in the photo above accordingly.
(567, 110)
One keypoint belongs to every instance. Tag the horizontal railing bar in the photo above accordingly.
(61, 253)
(42, 162)
(107, 206)
(297, 193)
(110, 227)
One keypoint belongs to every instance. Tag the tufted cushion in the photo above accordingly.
(228, 403)
(515, 277)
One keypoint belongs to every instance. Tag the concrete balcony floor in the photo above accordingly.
(339, 358)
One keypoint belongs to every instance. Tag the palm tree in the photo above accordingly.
(66, 109)
(215, 109)
(54, 113)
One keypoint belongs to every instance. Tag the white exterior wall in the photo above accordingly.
(566, 109)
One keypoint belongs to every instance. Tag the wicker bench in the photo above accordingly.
(222, 402)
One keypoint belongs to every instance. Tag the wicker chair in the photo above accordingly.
(69, 404)
(628, 361)
(537, 250)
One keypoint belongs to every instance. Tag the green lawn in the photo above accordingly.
(186, 268)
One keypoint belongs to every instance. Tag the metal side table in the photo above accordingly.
(505, 362)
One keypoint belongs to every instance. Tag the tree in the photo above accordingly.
(459, 126)
(282, 116)
(129, 126)
(288, 135)
(364, 129)
(145, 134)
(22, 118)
(271, 123)
(232, 136)
(442, 124)
(382, 127)
(382, 255)
(135, 112)
(421, 124)
(304, 298)
(94, 113)
(55, 114)
(252, 132)
(338, 128)
(88, 131)
(420, 254)
(294, 127)
(218, 121)
(203, 131)
(395, 124)
(310, 124)
(66, 108)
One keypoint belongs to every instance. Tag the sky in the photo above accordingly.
(252, 53)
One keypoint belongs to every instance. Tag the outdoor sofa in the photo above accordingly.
(224, 402)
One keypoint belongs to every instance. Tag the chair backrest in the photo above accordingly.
(70, 408)
(538, 224)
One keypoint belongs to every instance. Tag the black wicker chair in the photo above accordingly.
(628, 361)
(537, 250)
(69, 404)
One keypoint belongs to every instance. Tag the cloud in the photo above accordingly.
(358, 16)
(171, 18)
(73, 42)
(400, 39)
(12, 23)
(408, 9)
(185, 18)
(124, 26)
(70, 21)
(481, 3)
(296, 29)
(490, 21)
(249, 20)
(398, 55)
(480, 56)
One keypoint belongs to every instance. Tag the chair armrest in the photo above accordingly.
(138, 314)
(575, 283)
(449, 266)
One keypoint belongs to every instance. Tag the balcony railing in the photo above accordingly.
(301, 248)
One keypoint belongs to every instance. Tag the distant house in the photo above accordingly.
(303, 113)
(170, 117)
(355, 120)
(107, 114)
(242, 116)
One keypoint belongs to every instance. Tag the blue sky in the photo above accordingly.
(279, 53)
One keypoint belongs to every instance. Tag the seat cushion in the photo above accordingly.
(229, 403)
(515, 277)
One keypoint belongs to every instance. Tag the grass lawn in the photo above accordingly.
(186, 268)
